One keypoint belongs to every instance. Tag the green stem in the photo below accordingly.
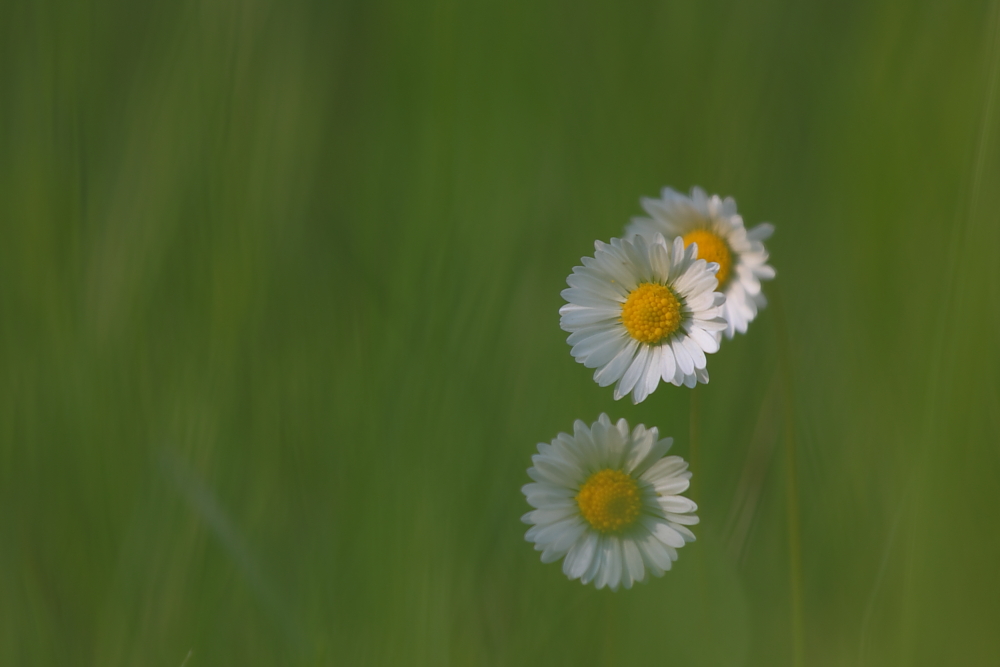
(694, 437)
(693, 451)
(791, 491)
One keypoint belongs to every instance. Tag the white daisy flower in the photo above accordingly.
(641, 311)
(608, 501)
(713, 224)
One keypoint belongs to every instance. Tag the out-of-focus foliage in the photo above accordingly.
(278, 327)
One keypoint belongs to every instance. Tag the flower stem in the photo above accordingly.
(693, 451)
(791, 490)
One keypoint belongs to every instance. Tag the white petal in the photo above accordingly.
(604, 354)
(617, 366)
(640, 391)
(747, 278)
(662, 531)
(568, 536)
(616, 444)
(655, 554)
(693, 349)
(596, 563)
(549, 499)
(761, 232)
(679, 377)
(696, 281)
(622, 426)
(678, 262)
(555, 515)
(587, 341)
(665, 467)
(580, 556)
(699, 303)
(728, 207)
(668, 366)
(556, 539)
(537, 489)
(684, 532)
(706, 341)
(583, 439)
(633, 562)
(652, 378)
(633, 373)
(605, 551)
(602, 330)
(640, 252)
(574, 317)
(659, 260)
(765, 272)
(559, 469)
(642, 442)
(545, 476)
(607, 288)
(672, 486)
(715, 324)
(586, 298)
(611, 263)
(686, 519)
(684, 360)
(655, 453)
(690, 275)
(551, 554)
(677, 504)
(614, 564)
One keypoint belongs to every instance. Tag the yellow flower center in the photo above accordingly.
(609, 500)
(712, 248)
(651, 313)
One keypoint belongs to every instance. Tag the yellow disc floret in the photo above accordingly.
(651, 313)
(609, 500)
(712, 248)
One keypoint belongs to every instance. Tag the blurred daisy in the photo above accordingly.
(607, 500)
(713, 224)
(641, 311)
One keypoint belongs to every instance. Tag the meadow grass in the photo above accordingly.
(279, 287)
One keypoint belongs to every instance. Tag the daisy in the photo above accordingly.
(608, 501)
(641, 311)
(713, 224)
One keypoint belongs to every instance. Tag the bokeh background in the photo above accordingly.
(279, 286)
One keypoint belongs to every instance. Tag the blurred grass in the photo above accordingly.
(278, 328)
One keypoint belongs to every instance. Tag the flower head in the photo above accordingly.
(608, 501)
(713, 225)
(640, 311)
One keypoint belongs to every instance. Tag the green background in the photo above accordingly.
(279, 286)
